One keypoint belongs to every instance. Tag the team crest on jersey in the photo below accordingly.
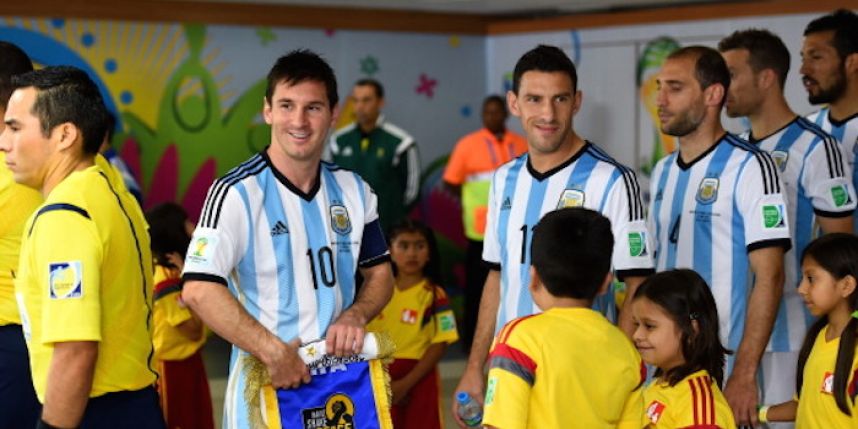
(338, 412)
(827, 383)
(840, 196)
(780, 157)
(707, 192)
(340, 222)
(654, 411)
(571, 198)
(409, 316)
(774, 216)
(65, 280)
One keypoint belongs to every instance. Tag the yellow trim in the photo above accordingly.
(381, 391)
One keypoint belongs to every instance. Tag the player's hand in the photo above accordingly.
(285, 367)
(741, 394)
(474, 383)
(345, 336)
(400, 392)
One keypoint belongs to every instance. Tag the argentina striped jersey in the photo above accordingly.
(845, 132)
(520, 196)
(816, 181)
(288, 257)
(707, 215)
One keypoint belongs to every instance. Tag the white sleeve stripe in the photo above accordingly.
(413, 185)
(219, 196)
(218, 187)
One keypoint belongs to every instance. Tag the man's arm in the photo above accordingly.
(835, 224)
(741, 387)
(345, 336)
(218, 309)
(625, 321)
(473, 380)
(70, 378)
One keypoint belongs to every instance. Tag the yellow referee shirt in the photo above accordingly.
(696, 402)
(17, 203)
(816, 406)
(170, 312)
(564, 368)
(86, 275)
(416, 318)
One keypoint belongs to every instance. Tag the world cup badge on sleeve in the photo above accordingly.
(707, 192)
(340, 222)
(571, 198)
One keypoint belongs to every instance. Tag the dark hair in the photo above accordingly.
(432, 270)
(67, 94)
(709, 67)
(844, 24)
(302, 65)
(167, 230)
(379, 90)
(765, 49)
(836, 253)
(544, 58)
(686, 298)
(571, 251)
(494, 98)
(15, 61)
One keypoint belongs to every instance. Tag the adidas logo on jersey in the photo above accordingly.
(279, 228)
(506, 204)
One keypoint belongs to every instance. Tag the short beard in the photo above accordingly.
(831, 94)
(683, 127)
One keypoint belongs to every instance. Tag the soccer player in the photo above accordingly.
(716, 207)
(568, 367)
(560, 169)
(17, 203)
(85, 278)
(289, 232)
(829, 69)
(383, 154)
(816, 178)
(469, 175)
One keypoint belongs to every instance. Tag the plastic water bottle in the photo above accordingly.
(470, 411)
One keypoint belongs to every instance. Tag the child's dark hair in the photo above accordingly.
(836, 253)
(686, 298)
(571, 251)
(167, 230)
(432, 270)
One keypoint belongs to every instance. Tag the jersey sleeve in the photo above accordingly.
(632, 242)
(373, 246)
(827, 179)
(691, 406)
(407, 164)
(512, 372)
(444, 321)
(69, 276)
(491, 241)
(760, 200)
(220, 238)
(456, 171)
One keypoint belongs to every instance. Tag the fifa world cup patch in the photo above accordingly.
(774, 216)
(447, 322)
(65, 280)
(840, 196)
(491, 389)
(654, 411)
(637, 244)
(827, 383)
(202, 249)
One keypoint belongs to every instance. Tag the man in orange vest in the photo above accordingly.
(468, 174)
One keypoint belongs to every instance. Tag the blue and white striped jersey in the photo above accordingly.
(520, 196)
(288, 257)
(816, 181)
(708, 215)
(845, 132)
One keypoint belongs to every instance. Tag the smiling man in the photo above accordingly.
(829, 69)
(272, 262)
(560, 169)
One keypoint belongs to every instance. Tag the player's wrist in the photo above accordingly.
(763, 413)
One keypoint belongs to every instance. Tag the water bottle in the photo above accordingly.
(470, 411)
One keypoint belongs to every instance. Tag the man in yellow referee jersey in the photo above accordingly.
(84, 284)
(19, 404)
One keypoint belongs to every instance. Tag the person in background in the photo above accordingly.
(179, 335)
(421, 324)
(469, 175)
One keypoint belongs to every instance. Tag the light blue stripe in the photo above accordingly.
(739, 284)
(314, 227)
(676, 212)
(502, 227)
(247, 263)
(345, 258)
(531, 217)
(656, 206)
(703, 241)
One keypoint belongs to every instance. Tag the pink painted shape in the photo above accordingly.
(426, 85)
(165, 179)
(330, 32)
(195, 195)
(130, 153)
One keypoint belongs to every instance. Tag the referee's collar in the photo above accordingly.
(542, 176)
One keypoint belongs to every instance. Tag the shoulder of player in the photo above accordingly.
(345, 131)
(225, 185)
(396, 132)
(600, 155)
